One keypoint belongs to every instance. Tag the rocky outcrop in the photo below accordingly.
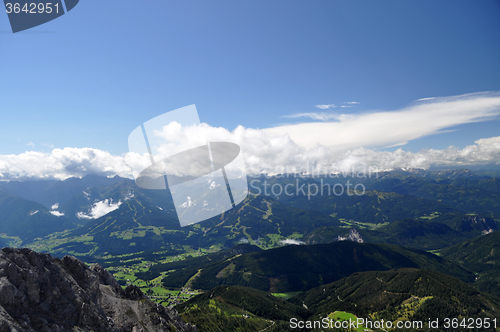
(39, 292)
(353, 236)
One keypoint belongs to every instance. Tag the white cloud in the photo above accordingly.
(128, 196)
(381, 129)
(325, 107)
(99, 209)
(61, 164)
(327, 146)
(263, 153)
(483, 152)
(32, 213)
(291, 241)
(349, 104)
(56, 213)
(315, 116)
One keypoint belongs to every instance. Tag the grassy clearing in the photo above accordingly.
(285, 296)
(127, 266)
(11, 241)
(296, 235)
(431, 216)
(269, 211)
(274, 240)
(364, 225)
(345, 316)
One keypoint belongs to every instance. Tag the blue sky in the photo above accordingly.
(88, 78)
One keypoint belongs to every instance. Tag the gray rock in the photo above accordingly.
(39, 292)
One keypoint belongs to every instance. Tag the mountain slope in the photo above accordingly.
(394, 295)
(299, 268)
(423, 234)
(27, 219)
(433, 232)
(42, 293)
(260, 220)
(235, 308)
(140, 224)
(468, 197)
(479, 253)
(409, 294)
(482, 256)
(50, 192)
(134, 226)
(91, 202)
(194, 263)
(366, 206)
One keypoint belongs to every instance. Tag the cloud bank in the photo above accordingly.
(61, 164)
(337, 145)
(383, 129)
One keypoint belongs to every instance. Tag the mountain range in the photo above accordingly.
(402, 245)
(399, 295)
(97, 215)
(299, 268)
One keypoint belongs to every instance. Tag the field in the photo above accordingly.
(127, 268)
(286, 296)
(345, 316)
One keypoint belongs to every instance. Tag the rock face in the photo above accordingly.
(353, 236)
(39, 292)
